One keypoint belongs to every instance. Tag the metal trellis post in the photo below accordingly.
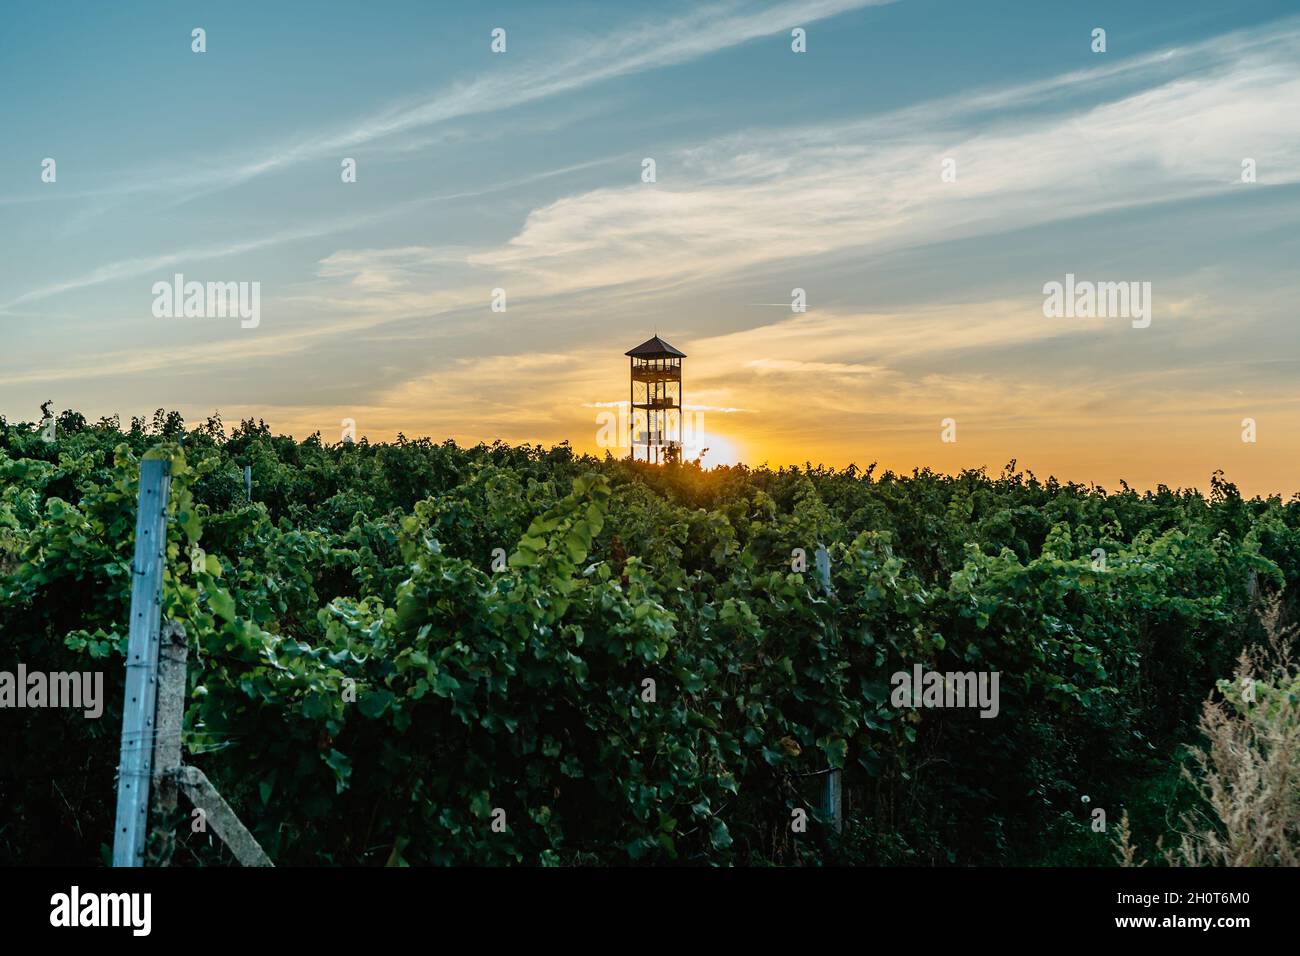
(832, 801)
(135, 763)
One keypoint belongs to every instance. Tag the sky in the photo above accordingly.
(922, 170)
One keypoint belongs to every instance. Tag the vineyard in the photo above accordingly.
(394, 647)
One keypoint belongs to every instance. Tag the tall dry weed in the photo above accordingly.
(1247, 775)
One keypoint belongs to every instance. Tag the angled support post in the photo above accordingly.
(223, 819)
(170, 773)
(134, 764)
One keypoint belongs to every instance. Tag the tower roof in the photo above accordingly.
(655, 348)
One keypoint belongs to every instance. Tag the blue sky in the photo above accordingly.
(775, 170)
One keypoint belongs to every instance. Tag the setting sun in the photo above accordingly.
(713, 449)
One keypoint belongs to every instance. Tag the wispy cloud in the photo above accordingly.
(354, 265)
(742, 202)
(758, 198)
(152, 265)
(745, 201)
(652, 43)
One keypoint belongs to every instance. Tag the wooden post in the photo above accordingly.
(171, 717)
(134, 764)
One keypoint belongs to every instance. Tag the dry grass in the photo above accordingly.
(1248, 775)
